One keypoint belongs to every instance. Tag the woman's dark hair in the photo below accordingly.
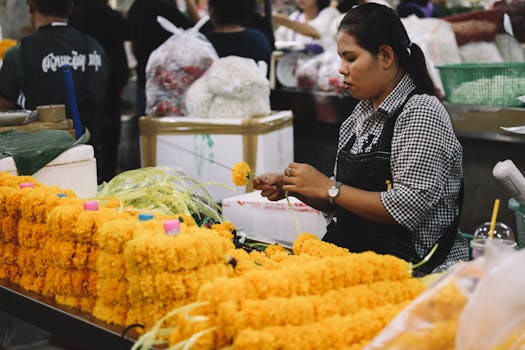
(59, 8)
(231, 11)
(321, 4)
(373, 25)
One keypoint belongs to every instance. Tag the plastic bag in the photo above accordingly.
(430, 321)
(306, 73)
(494, 317)
(174, 66)
(328, 77)
(475, 305)
(233, 87)
(480, 52)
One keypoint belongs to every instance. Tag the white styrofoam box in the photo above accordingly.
(206, 149)
(262, 218)
(74, 169)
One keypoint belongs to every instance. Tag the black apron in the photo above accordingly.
(370, 172)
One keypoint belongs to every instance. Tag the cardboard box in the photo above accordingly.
(206, 149)
(272, 221)
(74, 169)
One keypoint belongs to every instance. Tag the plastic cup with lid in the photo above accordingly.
(502, 233)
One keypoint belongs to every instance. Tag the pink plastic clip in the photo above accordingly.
(91, 206)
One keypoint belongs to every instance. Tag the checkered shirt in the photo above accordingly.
(426, 164)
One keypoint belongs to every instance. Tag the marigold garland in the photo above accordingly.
(262, 313)
(240, 173)
(307, 243)
(315, 277)
(330, 333)
(186, 251)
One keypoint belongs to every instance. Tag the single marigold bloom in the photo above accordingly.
(240, 173)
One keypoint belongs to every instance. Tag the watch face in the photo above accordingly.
(332, 192)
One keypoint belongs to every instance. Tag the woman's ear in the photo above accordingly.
(386, 56)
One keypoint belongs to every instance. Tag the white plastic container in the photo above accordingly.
(74, 169)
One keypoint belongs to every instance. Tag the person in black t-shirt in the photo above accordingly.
(110, 29)
(230, 37)
(147, 34)
(31, 76)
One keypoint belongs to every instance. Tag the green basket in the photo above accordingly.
(493, 84)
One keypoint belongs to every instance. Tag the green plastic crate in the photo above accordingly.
(493, 84)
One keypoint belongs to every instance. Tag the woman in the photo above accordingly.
(229, 35)
(398, 169)
(310, 24)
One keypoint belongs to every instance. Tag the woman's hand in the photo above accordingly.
(271, 186)
(306, 181)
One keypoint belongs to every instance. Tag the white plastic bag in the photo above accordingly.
(233, 87)
(174, 66)
(328, 77)
(494, 317)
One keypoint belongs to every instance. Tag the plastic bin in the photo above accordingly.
(519, 210)
(494, 84)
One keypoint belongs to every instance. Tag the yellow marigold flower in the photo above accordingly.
(32, 234)
(178, 285)
(111, 265)
(224, 229)
(307, 243)
(299, 310)
(68, 300)
(274, 249)
(87, 304)
(240, 173)
(313, 277)
(186, 251)
(8, 229)
(10, 273)
(112, 235)
(113, 202)
(8, 253)
(112, 291)
(113, 314)
(330, 333)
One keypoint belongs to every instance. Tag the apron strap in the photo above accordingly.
(444, 243)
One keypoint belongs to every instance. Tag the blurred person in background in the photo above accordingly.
(420, 8)
(229, 36)
(31, 76)
(97, 19)
(147, 34)
(310, 24)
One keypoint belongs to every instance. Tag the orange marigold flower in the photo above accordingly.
(240, 173)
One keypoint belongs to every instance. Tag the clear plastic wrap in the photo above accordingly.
(494, 317)
(174, 66)
(475, 305)
(233, 87)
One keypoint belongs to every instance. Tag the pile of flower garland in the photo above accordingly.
(104, 261)
(304, 301)
(165, 272)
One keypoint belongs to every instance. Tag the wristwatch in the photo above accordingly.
(333, 192)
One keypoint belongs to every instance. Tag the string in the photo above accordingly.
(294, 215)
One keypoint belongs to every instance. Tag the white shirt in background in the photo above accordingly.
(322, 23)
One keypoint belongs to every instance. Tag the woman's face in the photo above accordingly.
(306, 4)
(364, 76)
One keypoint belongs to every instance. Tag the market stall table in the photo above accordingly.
(72, 325)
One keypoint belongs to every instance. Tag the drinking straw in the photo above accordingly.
(68, 79)
(493, 220)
